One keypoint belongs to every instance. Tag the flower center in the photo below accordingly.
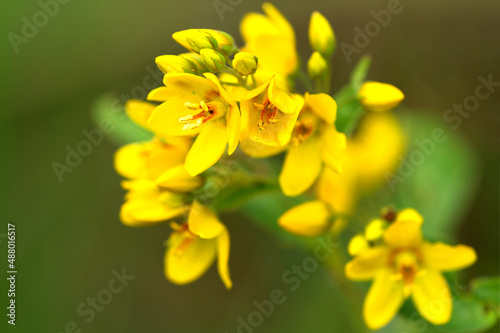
(187, 239)
(302, 131)
(267, 114)
(406, 267)
(193, 121)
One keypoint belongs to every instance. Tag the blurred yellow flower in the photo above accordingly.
(406, 265)
(193, 247)
(197, 105)
(271, 38)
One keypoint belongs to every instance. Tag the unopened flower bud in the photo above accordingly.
(245, 63)
(376, 96)
(195, 40)
(196, 60)
(214, 60)
(316, 65)
(174, 64)
(321, 35)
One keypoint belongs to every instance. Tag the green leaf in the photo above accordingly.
(468, 316)
(349, 108)
(487, 289)
(123, 130)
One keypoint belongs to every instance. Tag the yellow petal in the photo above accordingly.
(160, 94)
(223, 93)
(275, 54)
(177, 179)
(375, 229)
(383, 301)
(257, 150)
(165, 118)
(338, 190)
(279, 20)
(443, 257)
(377, 147)
(283, 100)
(223, 258)
(185, 264)
(140, 212)
(403, 234)
(367, 264)
(333, 147)
(203, 222)
(189, 85)
(308, 219)
(323, 105)
(208, 147)
(128, 163)
(376, 96)
(409, 214)
(233, 128)
(139, 111)
(163, 157)
(357, 245)
(301, 167)
(431, 295)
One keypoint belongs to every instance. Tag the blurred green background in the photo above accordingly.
(69, 237)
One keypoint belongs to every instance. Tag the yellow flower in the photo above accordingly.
(321, 35)
(268, 114)
(193, 247)
(271, 38)
(197, 105)
(406, 265)
(376, 96)
(157, 182)
(315, 142)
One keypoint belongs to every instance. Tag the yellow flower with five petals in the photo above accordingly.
(406, 265)
(197, 105)
(194, 245)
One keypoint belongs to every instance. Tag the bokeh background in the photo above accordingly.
(69, 237)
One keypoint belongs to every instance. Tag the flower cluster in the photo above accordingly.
(220, 102)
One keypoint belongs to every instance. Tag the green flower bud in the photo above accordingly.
(321, 35)
(245, 63)
(214, 60)
(196, 60)
(175, 64)
(316, 66)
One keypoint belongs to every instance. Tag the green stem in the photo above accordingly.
(302, 76)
